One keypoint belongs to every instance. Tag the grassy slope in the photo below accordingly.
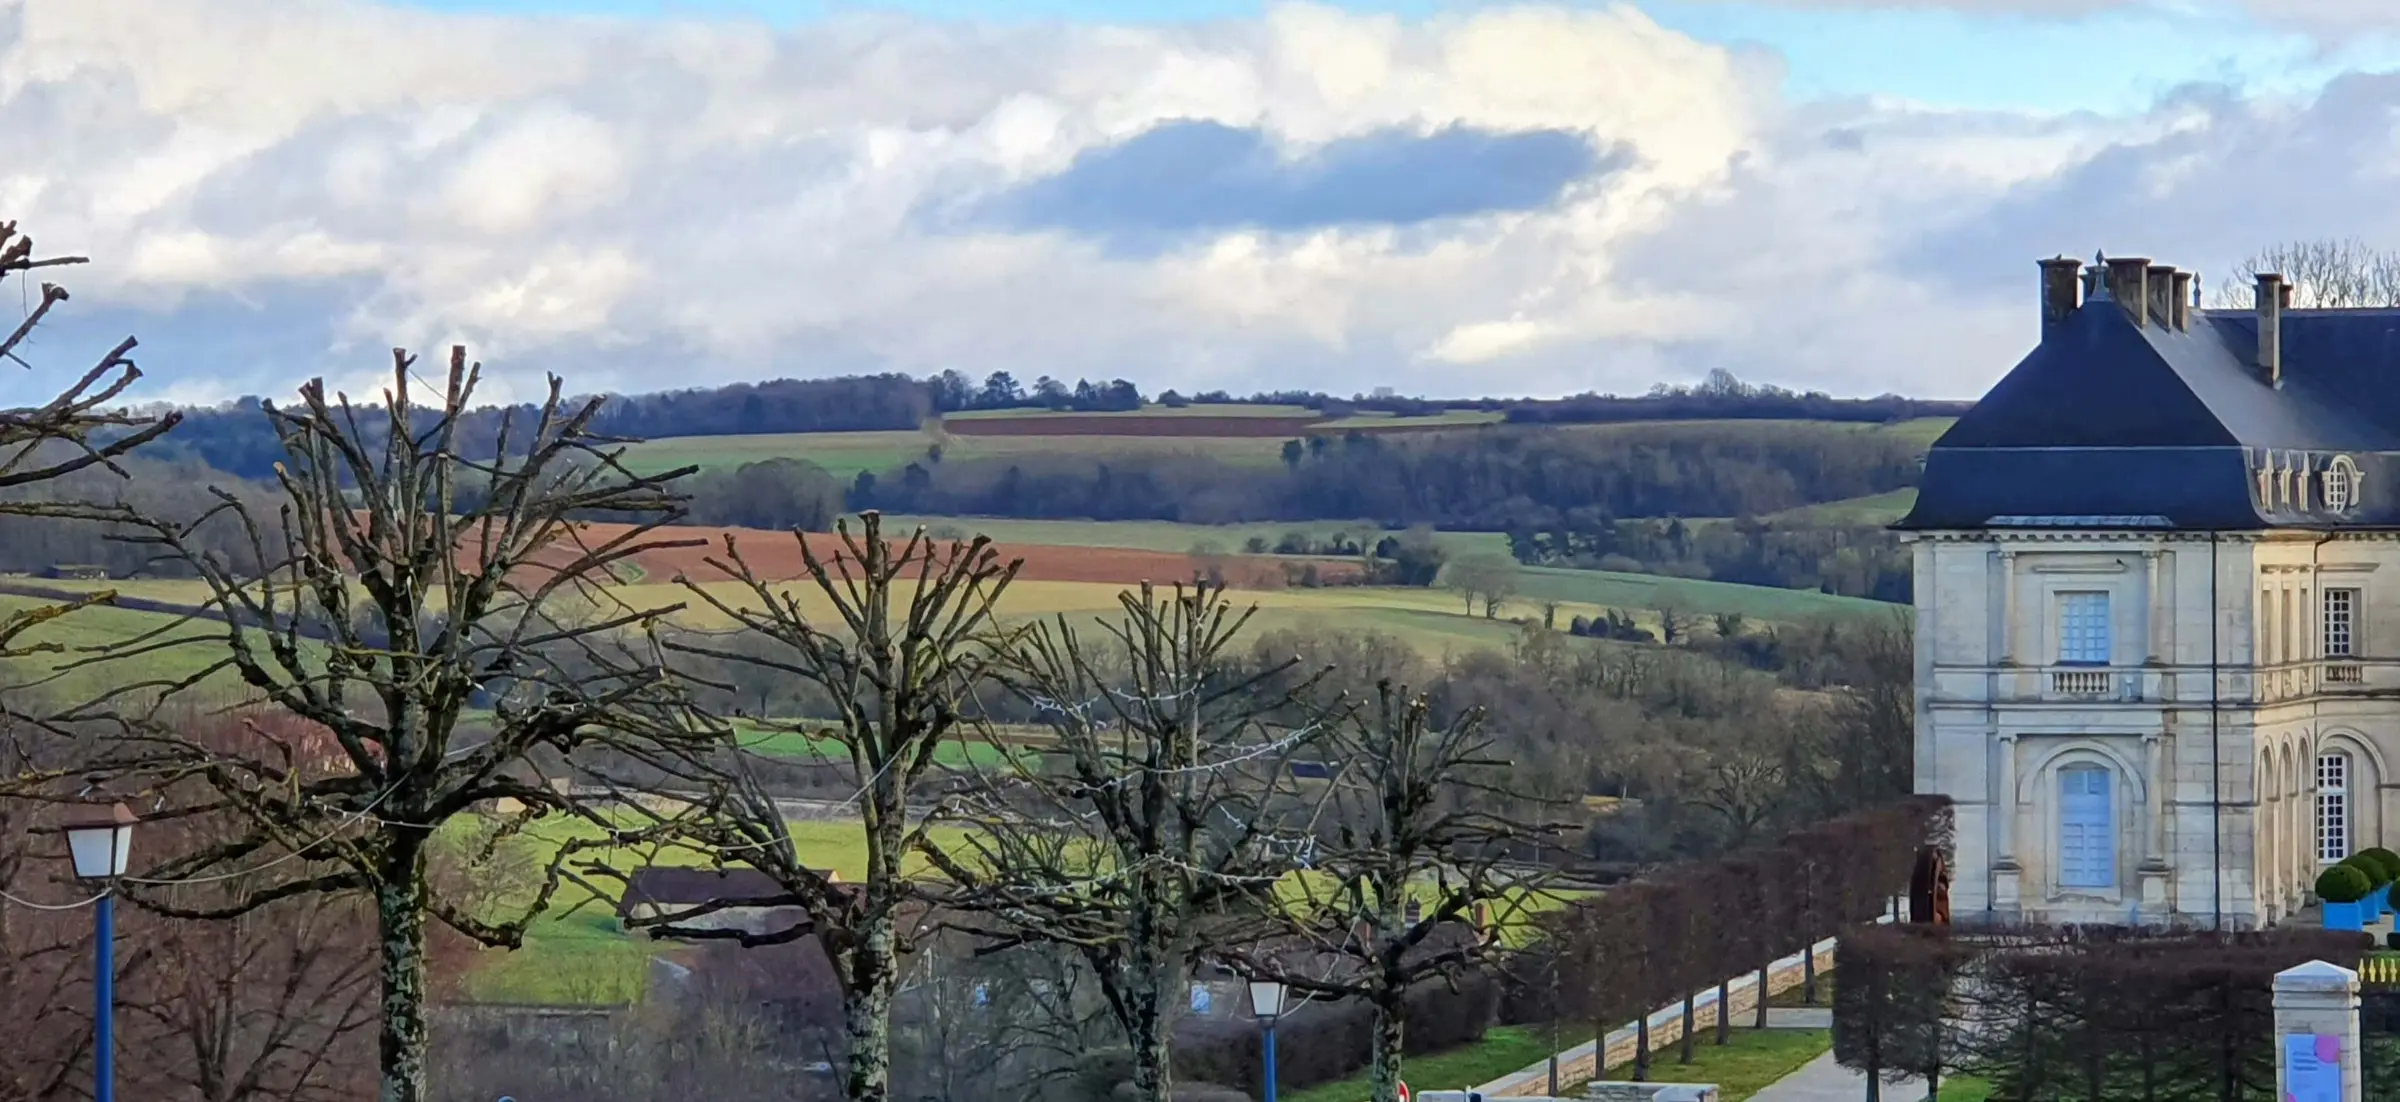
(1648, 591)
(68, 672)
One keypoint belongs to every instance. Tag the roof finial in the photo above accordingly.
(2096, 285)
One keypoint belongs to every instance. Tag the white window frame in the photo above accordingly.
(2106, 878)
(2334, 822)
(2084, 635)
(2340, 620)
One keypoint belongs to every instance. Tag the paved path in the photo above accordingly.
(1799, 1017)
(1823, 1080)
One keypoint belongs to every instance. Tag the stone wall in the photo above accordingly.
(1577, 1065)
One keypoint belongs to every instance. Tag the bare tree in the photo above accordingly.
(404, 579)
(2325, 273)
(83, 427)
(1416, 880)
(897, 659)
(1162, 812)
(1491, 579)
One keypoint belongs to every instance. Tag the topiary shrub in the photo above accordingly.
(2391, 862)
(2343, 884)
(2369, 867)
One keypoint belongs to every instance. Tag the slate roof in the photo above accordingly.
(685, 887)
(2109, 425)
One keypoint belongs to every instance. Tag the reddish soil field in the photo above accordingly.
(776, 556)
(1074, 424)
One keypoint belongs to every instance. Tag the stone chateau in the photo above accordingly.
(2158, 605)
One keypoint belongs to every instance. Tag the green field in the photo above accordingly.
(845, 454)
(1611, 589)
(1229, 409)
(1503, 1049)
(1878, 509)
(63, 663)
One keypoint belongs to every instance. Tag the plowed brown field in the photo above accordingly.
(775, 556)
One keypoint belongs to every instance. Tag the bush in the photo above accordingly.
(2343, 884)
(2368, 867)
(1327, 1040)
(2390, 860)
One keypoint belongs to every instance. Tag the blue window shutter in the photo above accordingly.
(2087, 837)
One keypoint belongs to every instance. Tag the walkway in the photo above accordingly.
(1823, 1080)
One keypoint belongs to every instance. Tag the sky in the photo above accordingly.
(1448, 198)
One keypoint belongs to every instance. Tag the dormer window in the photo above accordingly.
(2083, 629)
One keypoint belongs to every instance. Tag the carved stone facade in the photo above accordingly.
(2156, 727)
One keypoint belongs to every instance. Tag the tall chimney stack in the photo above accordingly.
(2273, 296)
(2062, 291)
(2128, 283)
(2184, 293)
(2161, 285)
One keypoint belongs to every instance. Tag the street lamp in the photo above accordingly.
(1266, 1004)
(101, 846)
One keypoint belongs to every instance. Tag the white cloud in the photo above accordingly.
(648, 205)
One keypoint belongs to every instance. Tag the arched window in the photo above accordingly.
(2333, 806)
(2087, 834)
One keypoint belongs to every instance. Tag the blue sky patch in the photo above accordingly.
(1191, 176)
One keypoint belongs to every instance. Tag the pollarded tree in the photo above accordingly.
(897, 658)
(1161, 811)
(405, 578)
(1414, 882)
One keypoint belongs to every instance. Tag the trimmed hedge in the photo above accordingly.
(2343, 883)
(2384, 858)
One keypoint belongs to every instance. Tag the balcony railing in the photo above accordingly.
(2083, 684)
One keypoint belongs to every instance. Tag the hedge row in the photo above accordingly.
(2072, 1014)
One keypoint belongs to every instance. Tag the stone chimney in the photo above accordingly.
(2161, 284)
(2274, 296)
(2062, 291)
(2128, 283)
(2186, 295)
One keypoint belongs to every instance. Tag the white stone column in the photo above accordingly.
(2314, 1001)
(2154, 785)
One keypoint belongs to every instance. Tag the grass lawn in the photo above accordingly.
(1965, 1090)
(1751, 1059)
(1503, 1049)
(1196, 409)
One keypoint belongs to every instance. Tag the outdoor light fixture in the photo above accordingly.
(101, 845)
(1266, 1004)
(1266, 1000)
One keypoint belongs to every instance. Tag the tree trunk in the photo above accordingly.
(1391, 1022)
(1808, 974)
(1641, 1047)
(1725, 1009)
(1683, 1044)
(1761, 1023)
(400, 920)
(874, 969)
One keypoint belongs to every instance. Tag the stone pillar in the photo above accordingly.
(2316, 1033)
(2158, 609)
(2008, 608)
(2006, 871)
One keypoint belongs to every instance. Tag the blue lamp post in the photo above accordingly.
(1266, 1004)
(100, 848)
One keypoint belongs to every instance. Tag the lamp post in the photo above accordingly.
(100, 847)
(1266, 1004)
